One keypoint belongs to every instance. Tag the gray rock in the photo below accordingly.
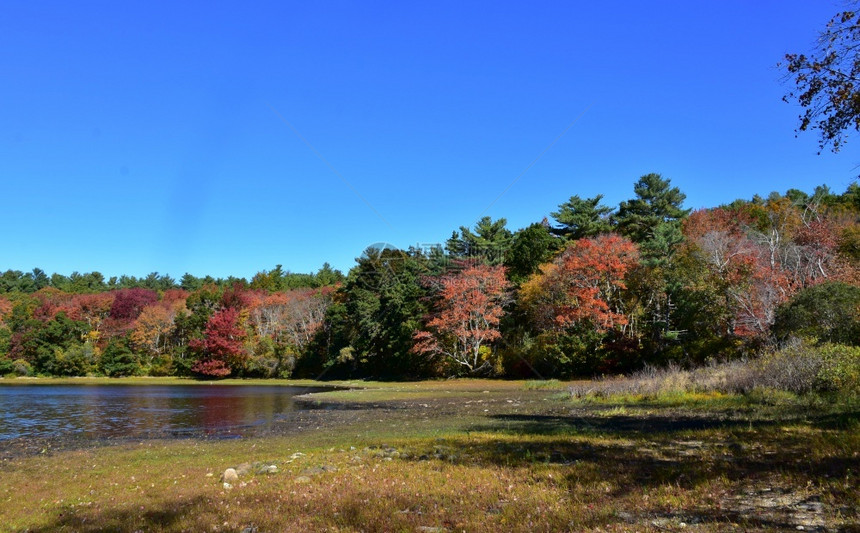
(268, 469)
(314, 470)
(243, 469)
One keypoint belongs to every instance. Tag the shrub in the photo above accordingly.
(21, 367)
(162, 365)
(840, 369)
(829, 312)
(799, 368)
(77, 360)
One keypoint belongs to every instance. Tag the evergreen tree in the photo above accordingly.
(656, 203)
(118, 360)
(530, 248)
(489, 241)
(578, 218)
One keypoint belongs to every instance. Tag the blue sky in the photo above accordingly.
(156, 137)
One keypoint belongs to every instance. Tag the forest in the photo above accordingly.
(590, 290)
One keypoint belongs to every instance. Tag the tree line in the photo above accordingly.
(591, 289)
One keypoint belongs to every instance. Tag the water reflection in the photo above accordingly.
(124, 411)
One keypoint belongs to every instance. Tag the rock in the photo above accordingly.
(268, 469)
(314, 470)
(228, 486)
(243, 469)
(230, 475)
(302, 479)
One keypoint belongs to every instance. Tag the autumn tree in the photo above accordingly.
(747, 262)
(584, 285)
(580, 310)
(93, 309)
(129, 303)
(284, 324)
(827, 81)
(152, 330)
(221, 350)
(467, 316)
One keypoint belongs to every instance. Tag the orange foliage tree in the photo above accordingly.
(468, 312)
(153, 328)
(583, 286)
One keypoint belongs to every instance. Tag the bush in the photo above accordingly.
(829, 312)
(794, 369)
(270, 358)
(77, 360)
(162, 365)
(800, 368)
(22, 368)
(840, 369)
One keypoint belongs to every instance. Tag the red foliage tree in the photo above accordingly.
(221, 349)
(128, 303)
(238, 297)
(469, 310)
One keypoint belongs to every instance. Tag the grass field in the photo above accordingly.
(471, 455)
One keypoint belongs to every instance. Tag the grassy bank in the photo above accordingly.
(471, 455)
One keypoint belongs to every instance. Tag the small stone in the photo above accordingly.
(268, 469)
(228, 486)
(799, 528)
(303, 479)
(229, 475)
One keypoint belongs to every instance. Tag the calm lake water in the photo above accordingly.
(131, 411)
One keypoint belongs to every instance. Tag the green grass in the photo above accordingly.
(446, 454)
(538, 384)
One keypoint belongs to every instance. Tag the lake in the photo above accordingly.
(97, 412)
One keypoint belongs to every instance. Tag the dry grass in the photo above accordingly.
(447, 456)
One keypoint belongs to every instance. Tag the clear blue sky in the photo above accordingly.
(148, 138)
